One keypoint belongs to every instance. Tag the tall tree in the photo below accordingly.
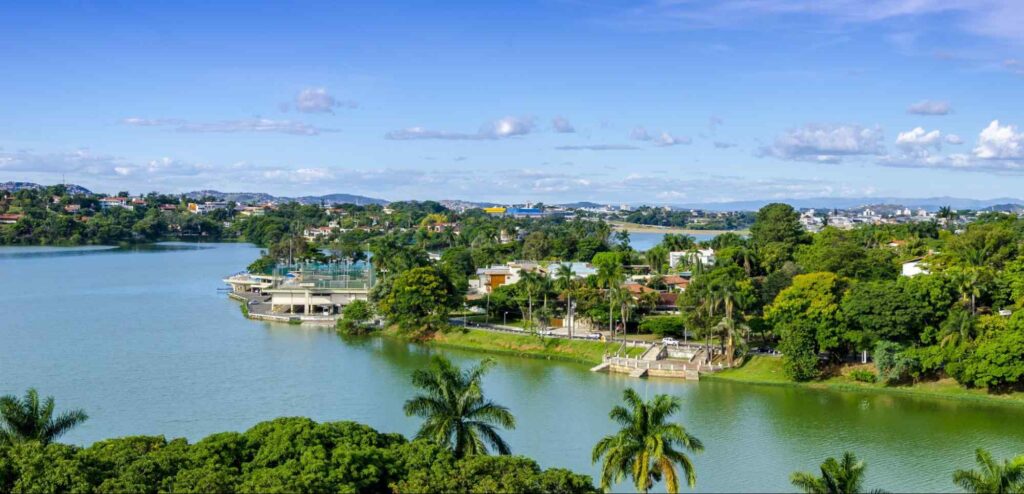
(647, 447)
(28, 419)
(845, 476)
(564, 282)
(455, 412)
(992, 477)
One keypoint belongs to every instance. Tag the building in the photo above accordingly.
(706, 257)
(914, 267)
(497, 275)
(675, 283)
(114, 202)
(310, 289)
(317, 233)
(10, 218)
(206, 207)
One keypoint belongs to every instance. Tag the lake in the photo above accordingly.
(143, 341)
(642, 241)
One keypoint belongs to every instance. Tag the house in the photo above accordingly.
(168, 207)
(317, 232)
(10, 218)
(497, 275)
(138, 201)
(72, 208)
(914, 267)
(705, 257)
(676, 283)
(206, 207)
(114, 202)
(580, 270)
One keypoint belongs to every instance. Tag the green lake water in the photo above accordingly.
(144, 342)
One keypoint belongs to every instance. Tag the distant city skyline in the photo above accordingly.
(555, 101)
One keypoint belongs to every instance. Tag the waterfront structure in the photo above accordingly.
(310, 291)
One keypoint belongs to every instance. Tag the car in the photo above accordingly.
(670, 341)
(593, 336)
(546, 332)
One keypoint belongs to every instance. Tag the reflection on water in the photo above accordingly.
(143, 341)
(88, 250)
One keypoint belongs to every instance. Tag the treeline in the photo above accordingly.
(51, 216)
(825, 298)
(733, 220)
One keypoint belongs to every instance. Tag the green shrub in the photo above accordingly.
(864, 376)
(663, 325)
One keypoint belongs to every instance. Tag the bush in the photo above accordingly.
(663, 325)
(799, 350)
(895, 364)
(864, 376)
(355, 316)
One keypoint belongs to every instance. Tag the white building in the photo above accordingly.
(704, 256)
(914, 267)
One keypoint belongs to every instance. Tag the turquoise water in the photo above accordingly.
(143, 340)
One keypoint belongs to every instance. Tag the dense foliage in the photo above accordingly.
(282, 455)
(52, 216)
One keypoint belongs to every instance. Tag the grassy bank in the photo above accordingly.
(768, 370)
(582, 351)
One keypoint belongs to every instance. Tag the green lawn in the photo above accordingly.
(768, 370)
(588, 352)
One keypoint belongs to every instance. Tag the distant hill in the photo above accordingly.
(927, 203)
(247, 197)
(16, 186)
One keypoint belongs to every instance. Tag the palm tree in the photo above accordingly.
(564, 281)
(27, 420)
(991, 476)
(455, 411)
(845, 476)
(647, 447)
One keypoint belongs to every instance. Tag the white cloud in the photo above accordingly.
(562, 125)
(318, 100)
(256, 124)
(724, 145)
(918, 137)
(597, 147)
(498, 129)
(825, 143)
(953, 139)
(929, 107)
(666, 139)
(997, 142)
(508, 127)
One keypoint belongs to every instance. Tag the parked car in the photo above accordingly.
(670, 341)
(593, 336)
(546, 332)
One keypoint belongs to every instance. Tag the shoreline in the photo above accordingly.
(638, 228)
(930, 390)
(588, 353)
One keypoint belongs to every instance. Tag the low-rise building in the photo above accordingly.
(914, 267)
(206, 207)
(705, 257)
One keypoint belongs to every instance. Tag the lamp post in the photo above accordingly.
(504, 318)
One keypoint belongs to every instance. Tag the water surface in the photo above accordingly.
(144, 341)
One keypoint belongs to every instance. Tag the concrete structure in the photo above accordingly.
(308, 289)
(502, 274)
(206, 207)
(115, 202)
(704, 256)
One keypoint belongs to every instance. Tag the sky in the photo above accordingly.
(658, 102)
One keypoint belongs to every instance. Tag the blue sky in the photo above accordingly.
(658, 102)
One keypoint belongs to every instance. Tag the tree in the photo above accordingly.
(775, 233)
(992, 477)
(564, 282)
(27, 419)
(799, 348)
(812, 299)
(454, 409)
(845, 476)
(882, 310)
(647, 447)
(354, 316)
(419, 299)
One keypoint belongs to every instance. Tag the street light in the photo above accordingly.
(504, 319)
